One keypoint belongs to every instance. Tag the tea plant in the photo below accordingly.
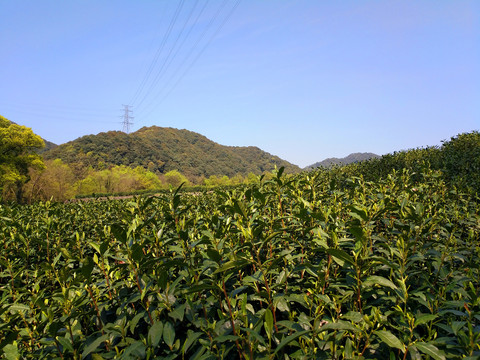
(320, 265)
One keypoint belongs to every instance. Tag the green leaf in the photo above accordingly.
(19, 307)
(11, 351)
(357, 232)
(94, 345)
(137, 252)
(391, 340)
(191, 338)
(353, 316)
(178, 312)
(66, 254)
(256, 335)
(281, 303)
(457, 325)
(268, 323)
(232, 264)
(133, 323)
(168, 334)
(359, 212)
(178, 189)
(379, 280)
(155, 333)
(224, 338)
(95, 246)
(214, 255)
(339, 325)
(424, 318)
(87, 266)
(430, 350)
(289, 339)
(280, 172)
(340, 256)
(239, 208)
(66, 343)
(136, 349)
(119, 233)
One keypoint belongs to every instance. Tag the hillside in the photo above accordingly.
(163, 149)
(352, 158)
(48, 146)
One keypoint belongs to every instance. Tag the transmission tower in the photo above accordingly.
(126, 118)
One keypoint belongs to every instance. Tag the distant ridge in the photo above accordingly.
(163, 149)
(352, 158)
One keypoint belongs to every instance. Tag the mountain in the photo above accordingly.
(352, 158)
(48, 146)
(163, 149)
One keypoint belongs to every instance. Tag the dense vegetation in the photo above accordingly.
(165, 149)
(18, 155)
(114, 163)
(356, 262)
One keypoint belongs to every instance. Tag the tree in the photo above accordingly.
(175, 178)
(54, 182)
(118, 179)
(18, 145)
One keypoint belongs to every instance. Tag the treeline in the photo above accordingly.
(456, 160)
(57, 181)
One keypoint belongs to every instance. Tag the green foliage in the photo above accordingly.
(175, 179)
(55, 182)
(162, 150)
(18, 145)
(314, 266)
(458, 161)
(461, 160)
(117, 179)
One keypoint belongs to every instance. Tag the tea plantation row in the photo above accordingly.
(315, 266)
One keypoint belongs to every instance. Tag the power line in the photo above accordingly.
(169, 58)
(159, 51)
(190, 53)
(195, 59)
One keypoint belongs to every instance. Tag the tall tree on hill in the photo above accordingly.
(18, 145)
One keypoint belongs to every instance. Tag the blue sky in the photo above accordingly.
(304, 80)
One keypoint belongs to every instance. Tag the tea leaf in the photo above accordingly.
(379, 280)
(391, 340)
(155, 333)
(168, 334)
(430, 350)
(341, 256)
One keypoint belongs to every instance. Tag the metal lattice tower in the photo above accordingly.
(126, 118)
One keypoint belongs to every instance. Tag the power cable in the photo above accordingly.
(157, 54)
(195, 59)
(191, 52)
(167, 58)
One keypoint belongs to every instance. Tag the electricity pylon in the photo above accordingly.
(126, 119)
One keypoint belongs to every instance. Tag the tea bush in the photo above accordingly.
(314, 266)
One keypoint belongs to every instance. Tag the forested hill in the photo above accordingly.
(352, 158)
(48, 146)
(164, 149)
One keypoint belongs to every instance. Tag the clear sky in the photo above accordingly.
(304, 80)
